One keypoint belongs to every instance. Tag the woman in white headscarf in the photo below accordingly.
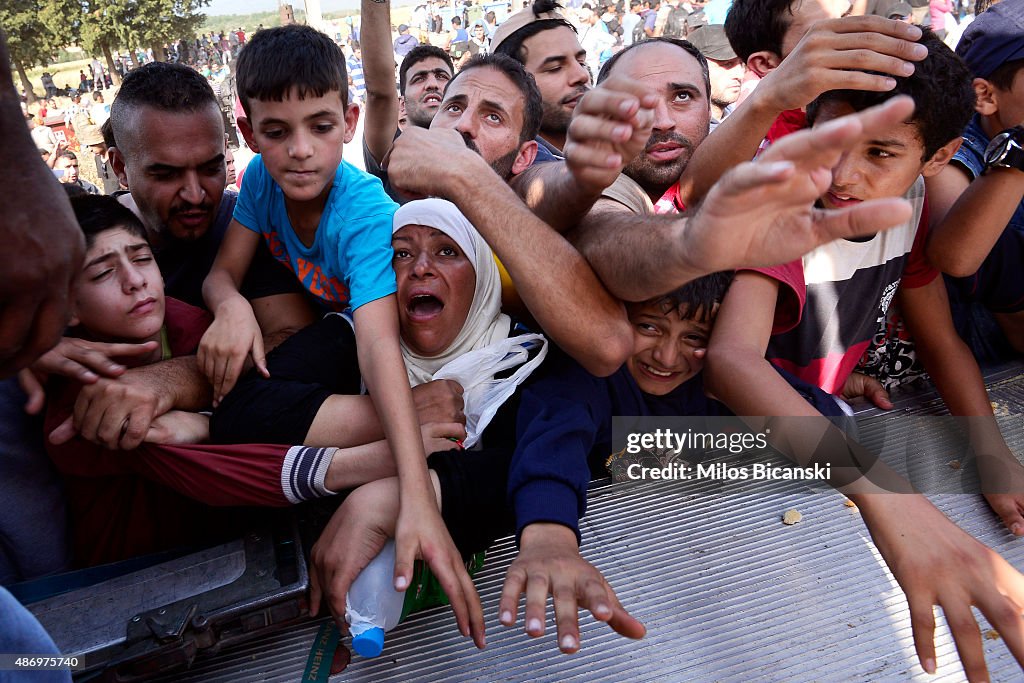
(449, 309)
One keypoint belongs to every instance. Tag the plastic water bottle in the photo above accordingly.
(372, 605)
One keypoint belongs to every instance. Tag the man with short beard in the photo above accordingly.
(679, 73)
(546, 44)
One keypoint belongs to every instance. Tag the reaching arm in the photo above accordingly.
(43, 245)
(759, 214)
(583, 318)
(420, 531)
(833, 55)
(978, 212)
(381, 119)
(934, 561)
(956, 375)
(117, 413)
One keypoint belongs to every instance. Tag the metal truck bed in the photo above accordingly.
(727, 592)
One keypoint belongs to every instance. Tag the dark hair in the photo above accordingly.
(107, 131)
(512, 45)
(532, 104)
(275, 60)
(417, 55)
(1004, 74)
(97, 213)
(684, 45)
(67, 154)
(490, 17)
(981, 5)
(456, 21)
(160, 85)
(757, 26)
(696, 299)
(355, 45)
(941, 87)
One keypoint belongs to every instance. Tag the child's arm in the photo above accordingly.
(234, 334)
(956, 375)
(549, 553)
(420, 531)
(978, 212)
(934, 561)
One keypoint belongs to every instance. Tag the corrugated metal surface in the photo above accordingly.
(727, 592)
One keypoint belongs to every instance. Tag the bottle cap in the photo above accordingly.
(369, 643)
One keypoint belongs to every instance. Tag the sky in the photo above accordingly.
(253, 6)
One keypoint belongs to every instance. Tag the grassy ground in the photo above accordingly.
(64, 74)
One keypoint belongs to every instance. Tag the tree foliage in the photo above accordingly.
(37, 29)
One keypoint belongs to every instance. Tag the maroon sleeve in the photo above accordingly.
(792, 293)
(918, 272)
(247, 474)
(186, 325)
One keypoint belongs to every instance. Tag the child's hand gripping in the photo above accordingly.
(229, 343)
(422, 533)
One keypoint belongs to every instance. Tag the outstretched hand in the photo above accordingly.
(549, 563)
(421, 533)
(354, 536)
(937, 563)
(610, 127)
(762, 213)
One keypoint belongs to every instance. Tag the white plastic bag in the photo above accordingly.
(482, 393)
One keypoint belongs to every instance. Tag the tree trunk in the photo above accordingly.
(158, 53)
(114, 76)
(30, 95)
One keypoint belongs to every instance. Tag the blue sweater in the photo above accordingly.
(564, 417)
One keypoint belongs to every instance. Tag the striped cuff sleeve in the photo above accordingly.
(304, 472)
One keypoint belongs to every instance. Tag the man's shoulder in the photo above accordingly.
(629, 194)
(225, 212)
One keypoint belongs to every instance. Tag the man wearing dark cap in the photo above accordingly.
(404, 43)
(724, 67)
(981, 239)
(93, 139)
(900, 11)
(546, 44)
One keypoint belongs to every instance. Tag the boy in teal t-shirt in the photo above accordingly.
(331, 224)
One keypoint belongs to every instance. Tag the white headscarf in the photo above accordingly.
(485, 323)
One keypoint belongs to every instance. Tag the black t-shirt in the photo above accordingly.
(186, 263)
(374, 169)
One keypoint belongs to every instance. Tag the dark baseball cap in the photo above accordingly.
(899, 10)
(712, 43)
(995, 37)
(402, 28)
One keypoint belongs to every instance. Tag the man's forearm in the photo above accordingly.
(584, 319)
(734, 141)
(636, 257)
(180, 383)
(381, 118)
(550, 190)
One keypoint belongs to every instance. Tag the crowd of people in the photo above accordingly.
(769, 216)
